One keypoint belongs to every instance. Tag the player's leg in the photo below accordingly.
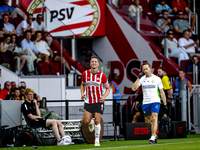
(99, 108)
(53, 124)
(87, 116)
(136, 117)
(147, 115)
(154, 117)
(97, 127)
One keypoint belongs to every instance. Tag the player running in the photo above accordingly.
(152, 89)
(94, 98)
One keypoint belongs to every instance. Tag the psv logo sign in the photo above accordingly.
(69, 17)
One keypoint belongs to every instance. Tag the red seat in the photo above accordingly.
(185, 63)
(17, 21)
(55, 67)
(43, 68)
(11, 20)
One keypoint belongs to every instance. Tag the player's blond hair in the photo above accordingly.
(28, 90)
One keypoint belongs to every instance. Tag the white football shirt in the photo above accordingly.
(150, 88)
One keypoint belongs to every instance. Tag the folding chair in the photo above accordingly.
(40, 135)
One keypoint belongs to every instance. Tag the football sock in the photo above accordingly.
(92, 121)
(153, 138)
(97, 129)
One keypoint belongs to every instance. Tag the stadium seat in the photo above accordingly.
(39, 136)
(43, 68)
(185, 63)
(17, 21)
(55, 67)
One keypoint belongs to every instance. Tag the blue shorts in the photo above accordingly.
(148, 109)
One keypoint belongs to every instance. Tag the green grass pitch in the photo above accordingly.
(192, 142)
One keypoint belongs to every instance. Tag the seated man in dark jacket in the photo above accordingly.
(31, 111)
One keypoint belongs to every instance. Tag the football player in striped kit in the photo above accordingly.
(92, 93)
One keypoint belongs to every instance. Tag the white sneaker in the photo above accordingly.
(91, 127)
(60, 143)
(96, 144)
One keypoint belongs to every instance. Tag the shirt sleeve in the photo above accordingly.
(159, 22)
(83, 77)
(175, 23)
(32, 26)
(173, 4)
(181, 42)
(12, 27)
(189, 83)
(25, 110)
(46, 45)
(34, 48)
(104, 79)
(24, 24)
(165, 83)
(44, 27)
(157, 8)
(168, 8)
(160, 85)
(11, 8)
(163, 42)
(113, 88)
(23, 45)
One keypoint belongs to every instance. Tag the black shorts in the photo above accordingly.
(39, 122)
(95, 107)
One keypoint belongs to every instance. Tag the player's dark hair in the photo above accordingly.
(182, 70)
(163, 69)
(22, 88)
(38, 32)
(146, 64)
(178, 11)
(185, 31)
(16, 89)
(39, 15)
(94, 57)
(163, 11)
(5, 15)
(29, 15)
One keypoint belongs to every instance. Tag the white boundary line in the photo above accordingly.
(121, 147)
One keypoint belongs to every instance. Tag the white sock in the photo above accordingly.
(153, 138)
(97, 129)
(92, 121)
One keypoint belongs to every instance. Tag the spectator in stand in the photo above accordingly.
(45, 51)
(8, 49)
(5, 91)
(8, 27)
(182, 6)
(172, 47)
(29, 48)
(181, 24)
(40, 26)
(162, 6)
(6, 9)
(188, 44)
(175, 84)
(26, 25)
(14, 96)
(190, 66)
(22, 86)
(133, 9)
(22, 90)
(13, 85)
(164, 23)
(20, 53)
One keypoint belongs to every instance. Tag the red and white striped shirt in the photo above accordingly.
(93, 86)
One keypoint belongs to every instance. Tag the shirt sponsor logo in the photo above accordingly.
(93, 83)
(149, 86)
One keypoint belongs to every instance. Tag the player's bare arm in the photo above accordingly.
(162, 93)
(36, 107)
(106, 94)
(135, 85)
(83, 91)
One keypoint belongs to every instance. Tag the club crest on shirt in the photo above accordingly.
(152, 81)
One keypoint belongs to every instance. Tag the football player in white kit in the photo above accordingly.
(152, 90)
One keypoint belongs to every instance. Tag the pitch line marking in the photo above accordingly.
(142, 145)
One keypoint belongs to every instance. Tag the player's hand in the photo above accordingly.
(35, 102)
(141, 75)
(83, 97)
(102, 99)
(165, 107)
